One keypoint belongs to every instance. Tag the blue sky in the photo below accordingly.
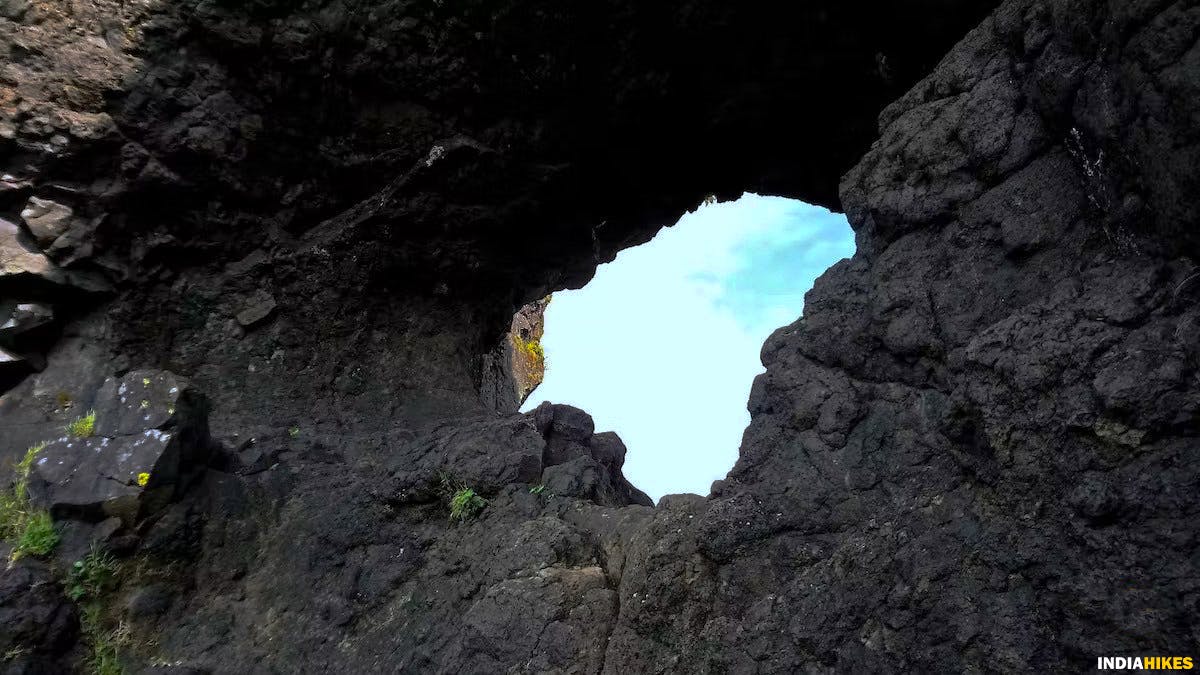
(662, 346)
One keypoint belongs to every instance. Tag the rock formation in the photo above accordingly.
(143, 444)
(973, 452)
(518, 365)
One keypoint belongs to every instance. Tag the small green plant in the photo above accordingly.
(39, 537)
(465, 505)
(30, 532)
(91, 576)
(294, 432)
(104, 658)
(23, 467)
(12, 517)
(88, 582)
(84, 426)
(537, 489)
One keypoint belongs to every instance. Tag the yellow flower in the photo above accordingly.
(143, 478)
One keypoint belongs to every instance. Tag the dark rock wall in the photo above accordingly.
(976, 449)
(973, 452)
(398, 177)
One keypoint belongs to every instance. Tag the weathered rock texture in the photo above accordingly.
(974, 452)
(37, 622)
(528, 356)
(516, 367)
(149, 442)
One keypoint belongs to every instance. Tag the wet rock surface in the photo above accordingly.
(973, 453)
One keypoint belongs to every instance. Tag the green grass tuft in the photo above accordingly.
(91, 576)
(30, 532)
(23, 467)
(39, 537)
(465, 504)
(88, 583)
(104, 657)
(12, 516)
(84, 426)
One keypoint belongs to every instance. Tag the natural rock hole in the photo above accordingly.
(663, 344)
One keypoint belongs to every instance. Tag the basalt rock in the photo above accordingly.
(973, 452)
(25, 270)
(47, 220)
(580, 463)
(552, 450)
(37, 622)
(147, 442)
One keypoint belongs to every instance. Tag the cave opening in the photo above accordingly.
(663, 344)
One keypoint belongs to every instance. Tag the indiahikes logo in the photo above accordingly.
(1144, 663)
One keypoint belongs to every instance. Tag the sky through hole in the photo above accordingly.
(662, 345)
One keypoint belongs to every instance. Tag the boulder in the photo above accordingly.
(257, 310)
(581, 463)
(21, 263)
(150, 440)
(47, 220)
(39, 405)
(552, 446)
(17, 258)
(567, 422)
